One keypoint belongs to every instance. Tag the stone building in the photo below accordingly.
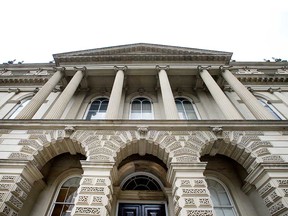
(144, 129)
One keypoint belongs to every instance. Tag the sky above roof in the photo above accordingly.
(33, 30)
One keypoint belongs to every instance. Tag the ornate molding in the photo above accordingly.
(159, 68)
(117, 68)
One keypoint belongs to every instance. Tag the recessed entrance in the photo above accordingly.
(130, 209)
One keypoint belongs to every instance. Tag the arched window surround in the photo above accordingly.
(230, 198)
(141, 118)
(90, 104)
(193, 105)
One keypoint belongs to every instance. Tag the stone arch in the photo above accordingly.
(41, 146)
(245, 147)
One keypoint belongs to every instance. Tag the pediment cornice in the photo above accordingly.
(142, 52)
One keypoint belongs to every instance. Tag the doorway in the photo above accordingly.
(136, 209)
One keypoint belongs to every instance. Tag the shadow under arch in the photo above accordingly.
(233, 150)
(52, 149)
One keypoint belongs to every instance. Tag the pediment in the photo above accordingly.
(142, 52)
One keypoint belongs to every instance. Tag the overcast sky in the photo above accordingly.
(33, 30)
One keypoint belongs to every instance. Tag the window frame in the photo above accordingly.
(17, 108)
(89, 106)
(58, 188)
(193, 105)
(152, 109)
(271, 108)
(231, 200)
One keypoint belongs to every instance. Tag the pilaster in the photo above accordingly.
(95, 191)
(190, 192)
(271, 182)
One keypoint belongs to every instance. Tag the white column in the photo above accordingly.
(29, 111)
(116, 93)
(62, 102)
(250, 101)
(220, 98)
(167, 95)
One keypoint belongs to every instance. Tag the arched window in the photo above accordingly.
(270, 108)
(186, 109)
(222, 203)
(141, 182)
(141, 108)
(19, 107)
(66, 197)
(97, 109)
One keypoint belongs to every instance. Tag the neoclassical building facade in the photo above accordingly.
(144, 129)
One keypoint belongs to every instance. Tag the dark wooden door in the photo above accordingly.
(127, 209)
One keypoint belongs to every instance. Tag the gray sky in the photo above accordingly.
(33, 30)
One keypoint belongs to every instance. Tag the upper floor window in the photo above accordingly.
(66, 197)
(221, 200)
(141, 108)
(186, 109)
(19, 107)
(97, 109)
(270, 108)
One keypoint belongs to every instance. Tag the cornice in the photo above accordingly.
(170, 125)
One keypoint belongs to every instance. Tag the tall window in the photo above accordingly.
(141, 108)
(66, 197)
(19, 107)
(185, 109)
(97, 109)
(222, 204)
(270, 108)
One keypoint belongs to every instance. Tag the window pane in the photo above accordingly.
(220, 199)
(66, 197)
(98, 109)
(185, 109)
(141, 108)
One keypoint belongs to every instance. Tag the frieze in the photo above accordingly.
(277, 208)
(187, 159)
(15, 202)
(100, 158)
(258, 144)
(92, 189)
(199, 213)
(282, 182)
(83, 199)
(268, 187)
(32, 143)
(88, 210)
(20, 156)
(272, 158)
(8, 178)
(189, 202)
(204, 202)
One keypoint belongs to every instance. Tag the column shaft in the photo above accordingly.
(250, 100)
(29, 111)
(62, 102)
(220, 98)
(115, 97)
(167, 96)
